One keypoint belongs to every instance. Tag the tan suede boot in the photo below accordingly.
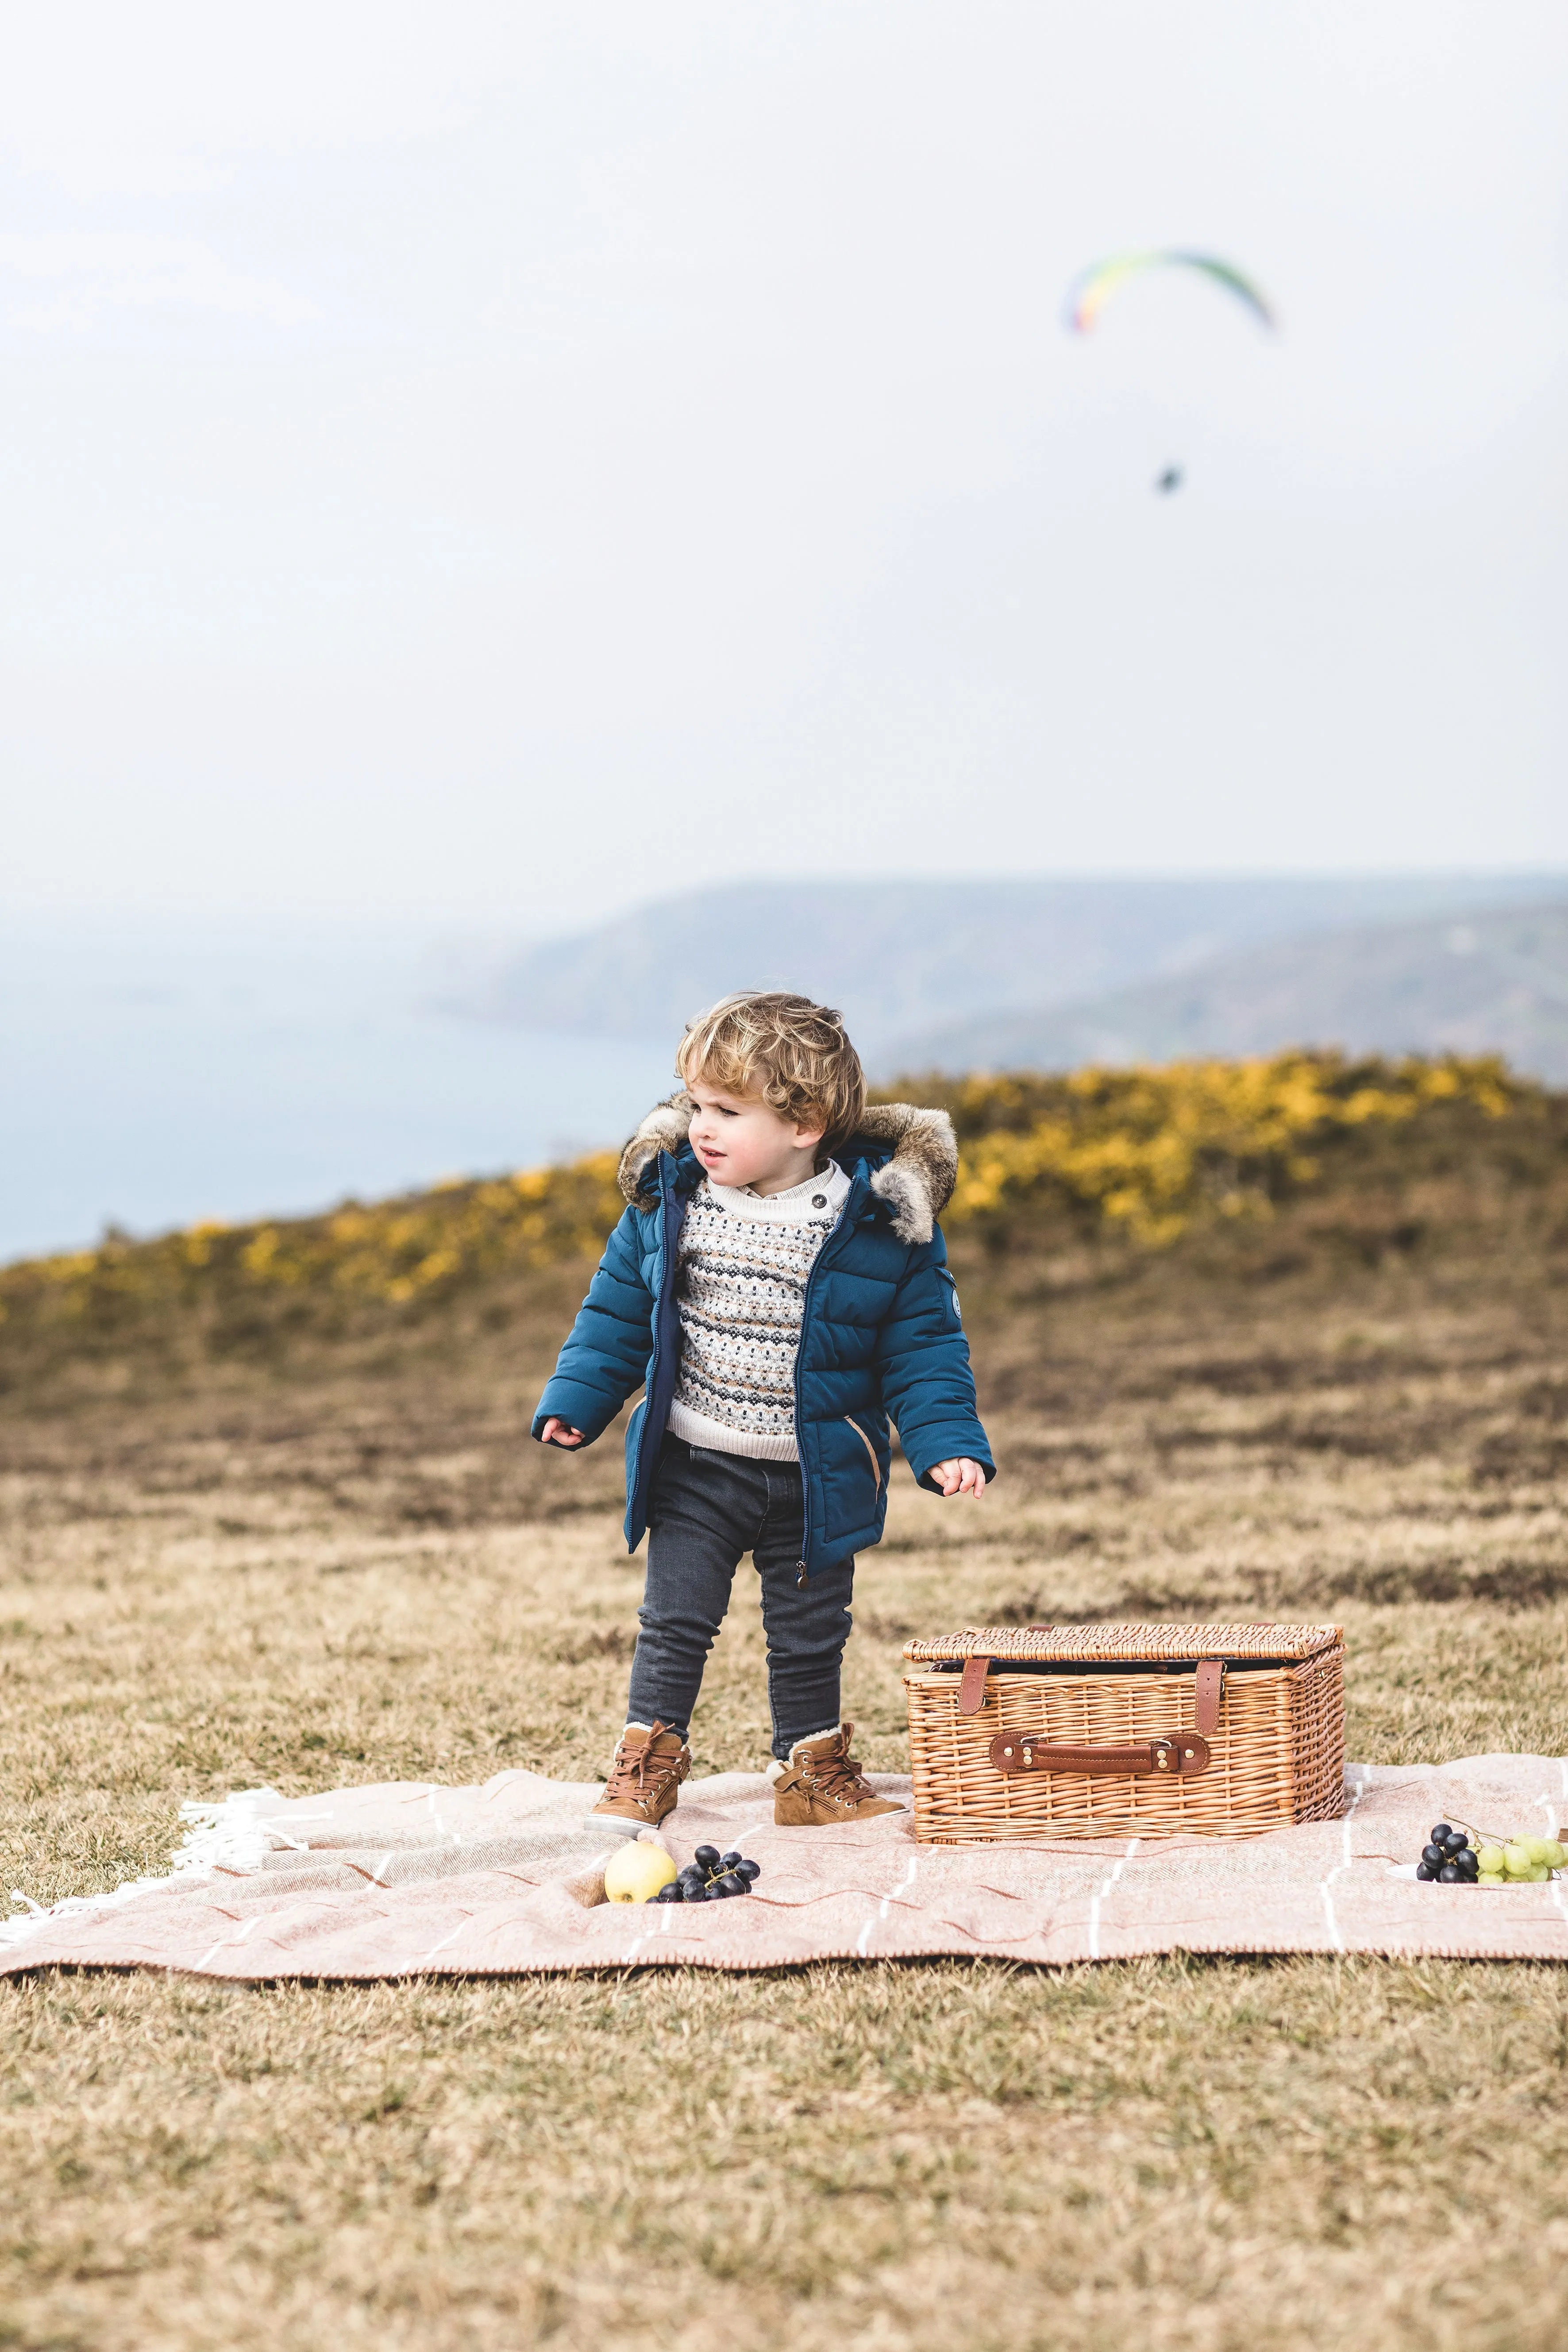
(651, 1764)
(823, 1783)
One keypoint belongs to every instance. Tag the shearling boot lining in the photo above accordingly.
(812, 1738)
(917, 1182)
(777, 1767)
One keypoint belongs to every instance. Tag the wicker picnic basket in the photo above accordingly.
(1125, 1731)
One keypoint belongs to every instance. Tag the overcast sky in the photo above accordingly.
(485, 463)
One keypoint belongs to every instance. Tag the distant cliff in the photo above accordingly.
(915, 965)
(1494, 982)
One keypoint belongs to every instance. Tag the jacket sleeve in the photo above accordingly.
(922, 1355)
(608, 1348)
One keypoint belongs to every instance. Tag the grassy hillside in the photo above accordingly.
(291, 1531)
(1095, 1160)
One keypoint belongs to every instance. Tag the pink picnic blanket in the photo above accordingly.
(408, 1879)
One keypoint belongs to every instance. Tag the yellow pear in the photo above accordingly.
(637, 1873)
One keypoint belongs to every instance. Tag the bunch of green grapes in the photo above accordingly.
(1470, 1858)
(1520, 1861)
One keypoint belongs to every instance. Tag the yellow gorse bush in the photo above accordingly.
(1146, 1151)
(393, 1251)
(1150, 1150)
(396, 1250)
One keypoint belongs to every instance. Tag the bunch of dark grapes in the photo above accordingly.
(710, 1876)
(1449, 1857)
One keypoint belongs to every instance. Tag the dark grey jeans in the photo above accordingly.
(705, 1511)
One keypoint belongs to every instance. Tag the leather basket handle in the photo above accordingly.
(1180, 1758)
(1207, 1695)
(971, 1689)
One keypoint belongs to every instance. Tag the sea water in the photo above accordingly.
(153, 1075)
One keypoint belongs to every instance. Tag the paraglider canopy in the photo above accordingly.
(1090, 291)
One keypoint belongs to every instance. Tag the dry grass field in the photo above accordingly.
(337, 1560)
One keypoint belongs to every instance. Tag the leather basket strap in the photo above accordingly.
(1210, 1691)
(971, 1689)
(1180, 1758)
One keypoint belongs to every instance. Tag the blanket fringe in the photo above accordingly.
(227, 1837)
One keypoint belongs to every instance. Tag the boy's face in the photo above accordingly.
(742, 1140)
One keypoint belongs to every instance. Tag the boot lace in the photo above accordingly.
(637, 1771)
(837, 1776)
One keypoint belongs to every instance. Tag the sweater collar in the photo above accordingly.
(818, 1196)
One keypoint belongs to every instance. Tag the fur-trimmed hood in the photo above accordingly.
(915, 1151)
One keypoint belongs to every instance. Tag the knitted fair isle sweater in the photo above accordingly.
(745, 1260)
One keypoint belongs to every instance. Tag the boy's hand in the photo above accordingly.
(559, 1433)
(962, 1477)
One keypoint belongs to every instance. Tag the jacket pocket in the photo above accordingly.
(876, 1465)
(633, 1435)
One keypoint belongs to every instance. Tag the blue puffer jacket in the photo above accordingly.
(881, 1335)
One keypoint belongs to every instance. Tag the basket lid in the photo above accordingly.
(1103, 1644)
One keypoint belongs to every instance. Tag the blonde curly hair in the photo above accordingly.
(790, 1052)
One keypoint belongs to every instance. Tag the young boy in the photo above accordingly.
(779, 1286)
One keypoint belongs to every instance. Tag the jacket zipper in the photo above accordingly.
(655, 1360)
(844, 1220)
